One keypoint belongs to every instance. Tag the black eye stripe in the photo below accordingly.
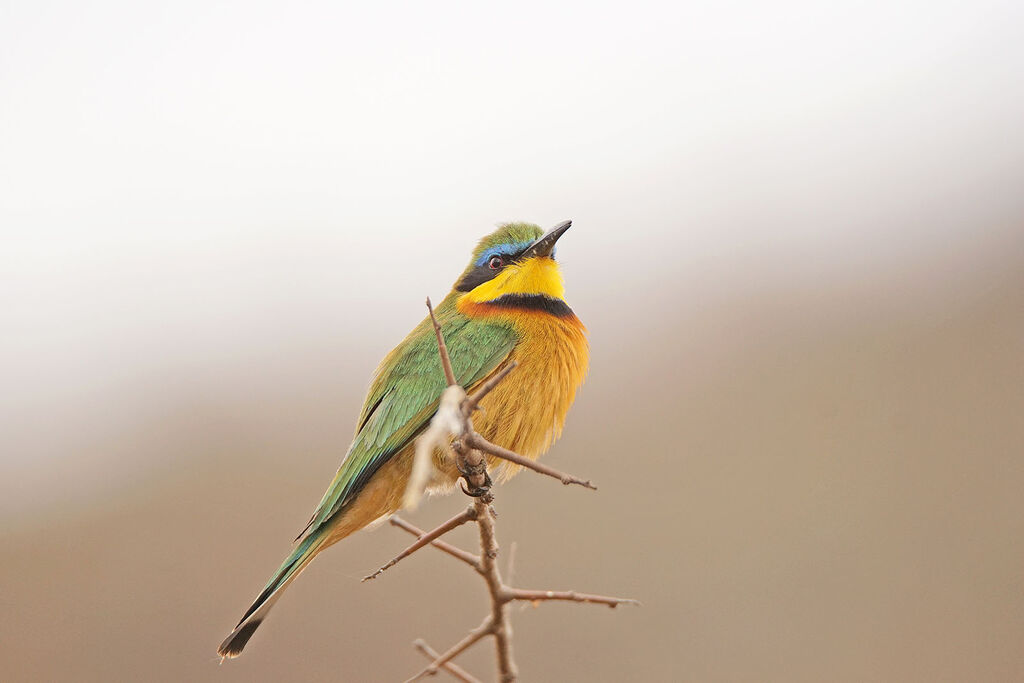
(477, 277)
(484, 272)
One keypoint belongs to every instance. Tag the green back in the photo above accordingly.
(404, 394)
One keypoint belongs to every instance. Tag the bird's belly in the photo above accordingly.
(526, 412)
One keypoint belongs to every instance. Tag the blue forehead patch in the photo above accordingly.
(502, 250)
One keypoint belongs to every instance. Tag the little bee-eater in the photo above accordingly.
(508, 305)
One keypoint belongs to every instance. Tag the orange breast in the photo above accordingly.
(525, 413)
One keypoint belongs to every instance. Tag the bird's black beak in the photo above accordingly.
(546, 244)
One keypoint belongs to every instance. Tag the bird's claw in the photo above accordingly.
(472, 472)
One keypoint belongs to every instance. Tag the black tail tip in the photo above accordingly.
(235, 643)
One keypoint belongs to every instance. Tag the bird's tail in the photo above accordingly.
(302, 555)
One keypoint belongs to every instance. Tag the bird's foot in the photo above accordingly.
(471, 474)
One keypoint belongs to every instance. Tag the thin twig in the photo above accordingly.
(486, 628)
(451, 667)
(466, 515)
(570, 596)
(446, 361)
(471, 402)
(458, 553)
(470, 463)
(477, 441)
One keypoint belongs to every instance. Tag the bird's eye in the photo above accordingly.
(495, 262)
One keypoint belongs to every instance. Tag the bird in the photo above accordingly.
(507, 306)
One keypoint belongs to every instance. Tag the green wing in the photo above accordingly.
(404, 396)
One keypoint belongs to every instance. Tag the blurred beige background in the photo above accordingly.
(798, 246)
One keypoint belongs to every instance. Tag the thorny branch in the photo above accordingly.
(424, 539)
(450, 667)
(469, 448)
